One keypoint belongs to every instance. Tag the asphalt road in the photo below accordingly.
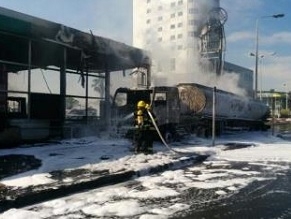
(214, 188)
(268, 196)
(261, 199)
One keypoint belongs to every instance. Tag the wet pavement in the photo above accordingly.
(268, 196)
(17, 163)
(266, 199)
(83, 179)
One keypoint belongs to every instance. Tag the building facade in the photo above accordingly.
(186, 42)
(245, 77)
(171, 32)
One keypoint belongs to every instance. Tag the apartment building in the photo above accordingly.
(185, 39)
(171, 31)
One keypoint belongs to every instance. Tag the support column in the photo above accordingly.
(63, 86)
(107, 101)
(213, 115)
(87, 94)
(3, 96)
(147, 65)
(149, 76)
(29, 81)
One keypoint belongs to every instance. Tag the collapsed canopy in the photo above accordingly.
(20, 33)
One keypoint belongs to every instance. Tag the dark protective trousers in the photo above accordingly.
(143, 140)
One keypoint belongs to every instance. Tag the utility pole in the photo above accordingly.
(257, 49)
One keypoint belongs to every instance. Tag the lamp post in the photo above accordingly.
(262, 69)
(261, 73)
(257, 48)
(261, 76)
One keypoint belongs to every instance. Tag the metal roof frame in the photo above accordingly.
(100, 54)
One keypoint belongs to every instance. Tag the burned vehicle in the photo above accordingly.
(188, 108)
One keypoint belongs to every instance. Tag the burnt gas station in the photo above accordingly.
(31, 46)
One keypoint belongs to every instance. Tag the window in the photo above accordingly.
(172, 37)
(160, 96)
(180, 24)
(180, 36)
(160, 8)
(160, 39)
(148, 11)
(172, 26)
(191, 22)
(180, 13)
(173, 4)
(160, 29)
(148, 1)
(16, 105)
(193, 11)
(180, 2)
(148, 21)
(160, 18)
(173, 15)
(180, 47)
(120, 99)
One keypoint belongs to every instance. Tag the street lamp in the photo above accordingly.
(261, 71)
(261, 76)
(257, 48)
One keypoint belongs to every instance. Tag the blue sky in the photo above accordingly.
(113, 19)
(274, 37)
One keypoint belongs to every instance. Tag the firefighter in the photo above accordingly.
(144, 128)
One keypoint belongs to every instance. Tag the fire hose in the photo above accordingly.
(161, 136)
(159, 133)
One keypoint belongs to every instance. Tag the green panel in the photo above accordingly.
(14, 25)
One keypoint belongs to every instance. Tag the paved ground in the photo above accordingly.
(80, 179)
(71, 180)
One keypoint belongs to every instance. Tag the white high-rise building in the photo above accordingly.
(171, 31)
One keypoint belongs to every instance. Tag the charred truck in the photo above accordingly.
(187, 108)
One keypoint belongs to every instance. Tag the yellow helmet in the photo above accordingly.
(141, 104)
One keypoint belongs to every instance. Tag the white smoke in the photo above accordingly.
(186, 68)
